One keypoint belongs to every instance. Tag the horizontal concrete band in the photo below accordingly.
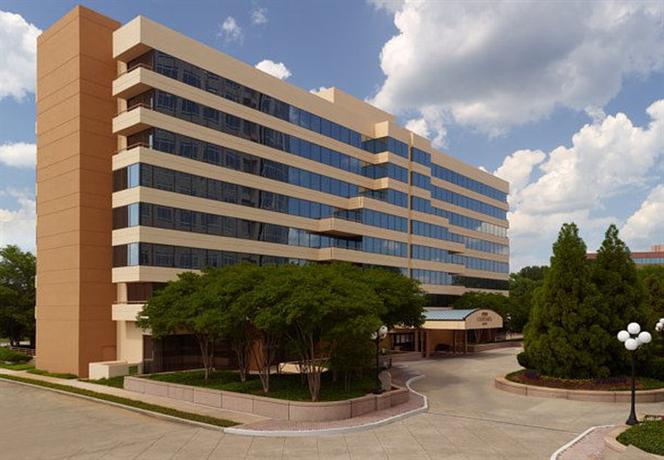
(299, 411)
(642, 396)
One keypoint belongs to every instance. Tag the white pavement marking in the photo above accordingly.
(337, 430)
(557, 453)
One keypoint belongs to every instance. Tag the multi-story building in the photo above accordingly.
(644, 258)
(158, 154)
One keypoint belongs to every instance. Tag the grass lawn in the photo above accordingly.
(608, 384)
(116, 382)
(282, 386)
(17, 366)
(56, 375)
(125, 401)
(648, 436)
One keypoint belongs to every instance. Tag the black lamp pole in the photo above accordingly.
(632, 420)
(379, 388)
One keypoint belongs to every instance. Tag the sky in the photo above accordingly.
(563, 99)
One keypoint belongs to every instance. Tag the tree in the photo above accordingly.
(182, 307)
(620, 294)
(567, 333)
(17, 294)
(322, 306)
(533, 272)
(227, 290)
(652, 278)
(402, 299)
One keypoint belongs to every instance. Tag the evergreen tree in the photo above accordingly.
(566, 336)
(620, 294)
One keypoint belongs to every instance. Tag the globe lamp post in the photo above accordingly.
(377, 336)
(633, 338)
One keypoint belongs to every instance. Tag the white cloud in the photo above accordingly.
(258, 15)
(318, 90)
(19, 155)
(431, 124)
(492, 65)
(230, 31)
(18, 51)
(606, 159)
(276, 69)
(17, 226)
(391, 6)
(646, 226)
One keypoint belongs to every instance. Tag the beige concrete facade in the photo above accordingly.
(75, 71)
(84, 291)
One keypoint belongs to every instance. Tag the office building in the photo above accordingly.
(158, 154)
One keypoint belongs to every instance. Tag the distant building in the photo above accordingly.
(653, 257)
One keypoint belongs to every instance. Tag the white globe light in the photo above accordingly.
(631, 344)
(382, 331)
(661, 320)
(634, 328)
(374, 336)
(645, 337)
(623, 335)
(659, 327)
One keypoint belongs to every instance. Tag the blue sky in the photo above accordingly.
(524, 89)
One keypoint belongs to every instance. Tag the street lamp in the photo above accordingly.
(377, 336)
(659, 327)
(633, 338)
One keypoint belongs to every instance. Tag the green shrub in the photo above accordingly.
(647, 436)
(13, 356)
(655, 368)
(522, 359)
(57, 375)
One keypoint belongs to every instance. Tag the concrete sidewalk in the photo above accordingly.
(254, 425)
(237, 417)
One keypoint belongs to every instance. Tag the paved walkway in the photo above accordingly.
(468, 419)
(238, 417)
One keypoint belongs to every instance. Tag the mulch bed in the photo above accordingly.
(530, 377)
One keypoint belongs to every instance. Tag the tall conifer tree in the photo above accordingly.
(566, 336)
(620, 293)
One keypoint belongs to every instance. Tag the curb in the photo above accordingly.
(339, 430)
(166, 417)
(622, 396)
(612, 443)
(557, 453)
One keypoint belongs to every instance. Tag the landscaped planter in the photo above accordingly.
(642, 396)
(281, 409)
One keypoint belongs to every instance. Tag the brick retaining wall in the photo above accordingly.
(642, 396)
(280, 409)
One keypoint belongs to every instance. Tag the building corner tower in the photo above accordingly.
(75, 143)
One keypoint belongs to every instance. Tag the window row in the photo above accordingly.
(441, 233)
(152, 215)
(463, 201)
(141, 174)
(386, 170)
(165, 141)
(466, 182)
(424, 205)
(386, 144)
(185, 109)
(374, 218)
(160, 255)
(195, 76)
(649, 260)
(444, 256)
(420, 156)
(391, 196)
(431, 277)
(480, 283)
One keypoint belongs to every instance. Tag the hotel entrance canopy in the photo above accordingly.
(461, 320)
(448, 330)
